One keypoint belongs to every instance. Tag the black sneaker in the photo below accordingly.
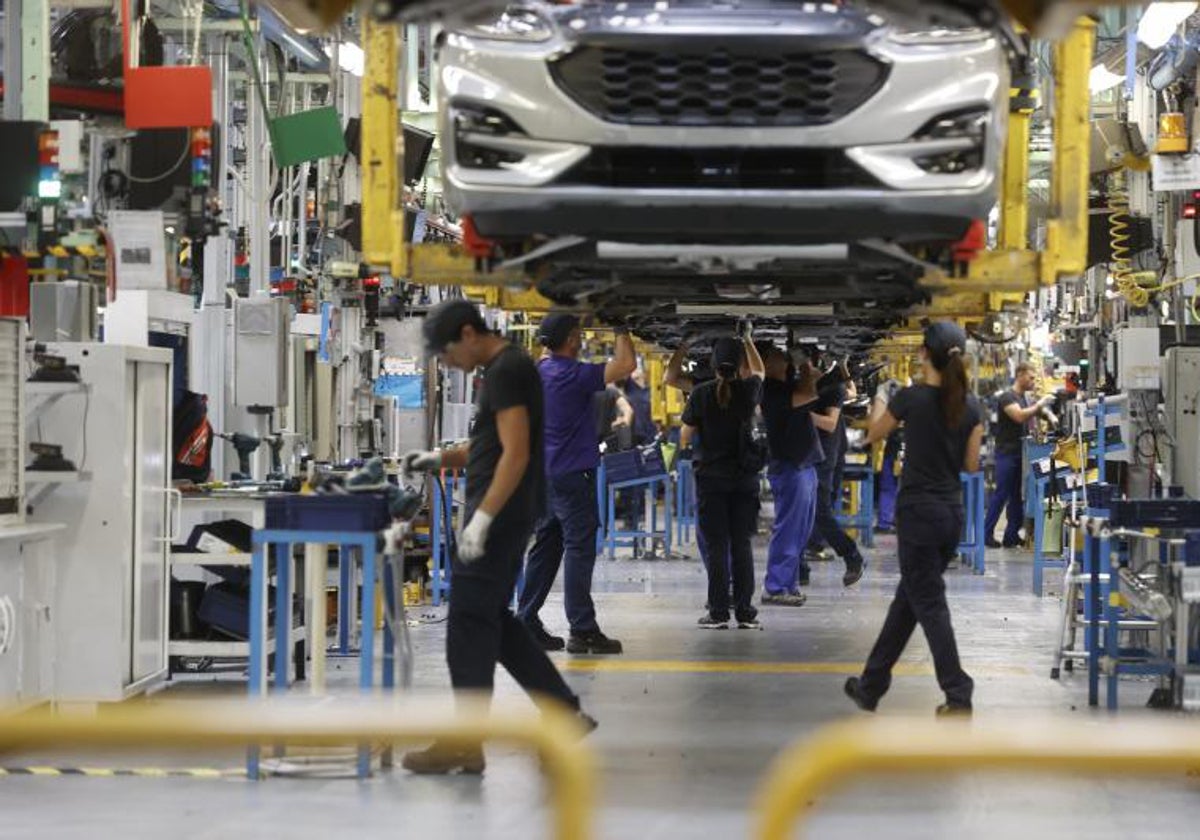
(990, 542)
(804, 578)
(1017, 543)
(854, 692)
(708, 621)
(543, 638)
(854, 571)
(954, 710)
(593, 642)
(749, 621)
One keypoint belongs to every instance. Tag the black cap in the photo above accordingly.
(943, 338)
(445, 322)
(556, 329)
(726, 356)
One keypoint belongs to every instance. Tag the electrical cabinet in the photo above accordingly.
(260, 326)
(1181, 393)
(1139, 363)
(111, 604)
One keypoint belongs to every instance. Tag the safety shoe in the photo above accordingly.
(708, 621)
(589, 723)
(749, 620)
(854, 571)
(784, 599)
(854, 691)
(440, 759)
(543, 638)
(990, 542)
(1017, 543)
(954, 710)
(804, 578)
(593, 642)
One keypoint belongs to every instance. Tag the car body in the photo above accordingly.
(758, 121)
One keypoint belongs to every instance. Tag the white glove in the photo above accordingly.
(1047, 401)
(421, 460)
(473, 538)
(887, 390)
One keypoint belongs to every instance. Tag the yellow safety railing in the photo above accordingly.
(553, 734)
(845, 752)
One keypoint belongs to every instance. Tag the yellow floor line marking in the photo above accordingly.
(681, 666)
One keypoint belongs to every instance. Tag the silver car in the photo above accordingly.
(710, 120)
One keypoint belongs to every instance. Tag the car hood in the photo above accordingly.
(829, 25)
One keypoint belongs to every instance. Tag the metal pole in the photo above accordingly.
(13, 69)
(258, 158)
(35, 60)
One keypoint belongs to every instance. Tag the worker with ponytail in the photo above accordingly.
(943, 430)
(728, 463)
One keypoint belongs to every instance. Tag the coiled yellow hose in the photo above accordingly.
(1130, 284)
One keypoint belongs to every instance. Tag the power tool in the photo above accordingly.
(245, 446)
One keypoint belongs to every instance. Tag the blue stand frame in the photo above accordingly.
(685, 501)
(283, 542)
(862, 521)
(974, 539)
(609, 536)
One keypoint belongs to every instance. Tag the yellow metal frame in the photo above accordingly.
(844, 752)
(382, 150)
(554, 735)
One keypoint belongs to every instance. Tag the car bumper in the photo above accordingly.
(672, 215)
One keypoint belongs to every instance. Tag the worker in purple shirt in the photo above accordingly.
(566, 535)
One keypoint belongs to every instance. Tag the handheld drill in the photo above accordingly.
(245, 446)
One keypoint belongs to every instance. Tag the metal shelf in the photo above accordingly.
(228, 649)
(56, 476)
(203, 559)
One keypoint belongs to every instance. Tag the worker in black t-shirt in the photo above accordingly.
(1015, 413)
(943, 430)
(827, 417)
(506, 493)
(727, 474)
(795, 452)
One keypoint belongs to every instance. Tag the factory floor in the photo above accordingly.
(689, 721)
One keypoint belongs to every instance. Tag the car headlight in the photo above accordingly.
(938, 36)
(517, 23)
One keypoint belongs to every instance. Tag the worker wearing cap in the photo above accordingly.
(505, 497)
(942, 434)
(566, 535)
(1015, 413)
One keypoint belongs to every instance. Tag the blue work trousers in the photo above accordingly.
(1007, 493)
(565, 536)
(888, 487)
(795, 492)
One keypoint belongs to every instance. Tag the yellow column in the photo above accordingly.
(382, 150)
(1066, 231)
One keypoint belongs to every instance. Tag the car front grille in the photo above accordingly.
(745, 85)
(717, 168)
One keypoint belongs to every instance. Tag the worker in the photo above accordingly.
(614, 419)
(727, 469)
(566, 535)
(1015, 412)
(505, 495)
(943, 430)
(827, 416)
(638, 395)
(795, 450)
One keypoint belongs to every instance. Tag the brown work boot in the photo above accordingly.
(441, 759)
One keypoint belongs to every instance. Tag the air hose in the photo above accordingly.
(1130, 284)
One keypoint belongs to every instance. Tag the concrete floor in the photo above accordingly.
(689, 722)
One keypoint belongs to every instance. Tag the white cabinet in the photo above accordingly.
(111, 606)
(27, 651)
